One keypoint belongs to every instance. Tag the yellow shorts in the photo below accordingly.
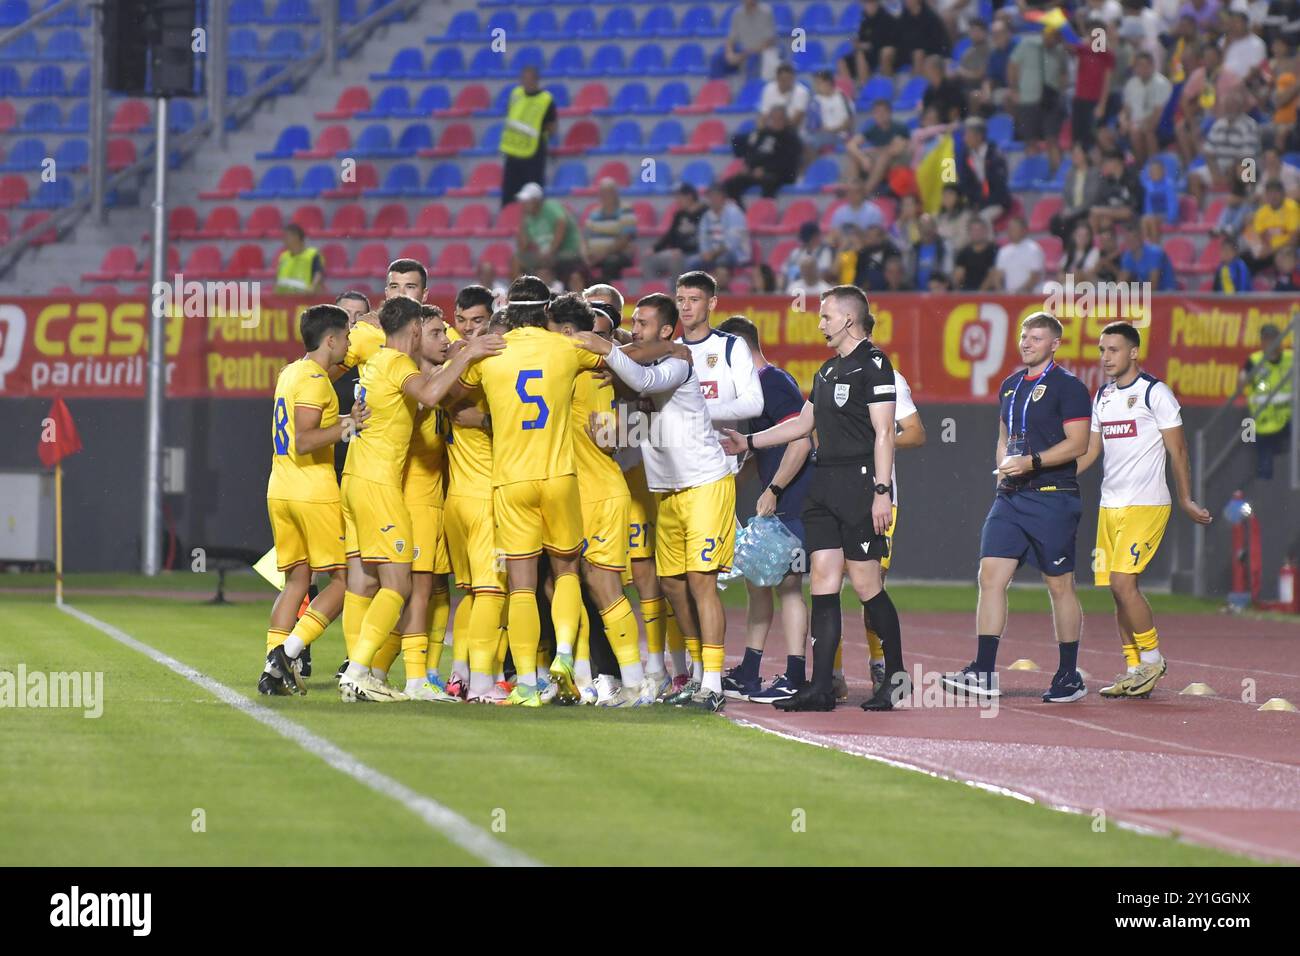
(696, 528)
(543, 513)
(889, 536)
(1127, 539)
(376, 522)
(471, 543)
(604, 524)
(641, 516)
(310, 531)
(427, 530)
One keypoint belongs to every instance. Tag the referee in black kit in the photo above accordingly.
(848, 508)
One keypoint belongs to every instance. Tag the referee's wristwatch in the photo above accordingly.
(884, 489)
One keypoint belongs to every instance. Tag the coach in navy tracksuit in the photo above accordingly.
(1043, 429)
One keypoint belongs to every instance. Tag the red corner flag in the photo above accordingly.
(59, 437)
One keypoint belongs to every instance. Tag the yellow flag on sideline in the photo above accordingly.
(266, 567)
(930, 173)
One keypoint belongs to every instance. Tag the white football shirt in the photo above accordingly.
(1129, 419)
(903, 408)
(728, 380)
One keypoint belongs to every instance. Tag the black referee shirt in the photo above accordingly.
(843, 392)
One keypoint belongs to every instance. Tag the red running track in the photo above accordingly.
(1214, 770)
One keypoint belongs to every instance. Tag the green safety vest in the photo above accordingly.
(523, 127)
(1270, 414)
(293, 274)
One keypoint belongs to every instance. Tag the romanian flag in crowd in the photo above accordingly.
(939, 168)
(1053, 19)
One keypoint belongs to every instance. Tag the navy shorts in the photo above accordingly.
(1039, 527)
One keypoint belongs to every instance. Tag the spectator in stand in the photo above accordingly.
(906, 228)
(772, 153)
(1276, 223)
(610, 233)
(1082, 187)
(722, 277)
(982, 173)
(548, 237)
(1145, 96)
(973, 271)
(530, 120)
(1002, 44)
(1108, 256)
(1236, 215)
(761, 278)
(1284, 91)
(939, 283)
(1144, 25)
(787, 93)
(1036, 75)
(1019, 265)
(1080, 254)
(1109, 11)
(1184, 41)
(1231, 139)
(1200, 98)
(953, 218)
(1159, 201)
(920, 33)
(973, 68)
(1116, 200)
(811, 246)
(1281, 18)
(1271, 167)
(578, 281)
(882, 143)
(1232, 276)
(751, 46)
(724, 233)
(875, 249)
(1092, 84)
(944, 93)
(681, 241)
(1144, 261)
(1244, 53)
(846, 241)
(873, 48)
(300, 268)
(856, 210)
(896, 279)
(808, 279)
(830, 117)
(928, 255)
(1284, 264)
(1204, 12)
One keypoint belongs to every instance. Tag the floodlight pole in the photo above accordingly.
(157, 370)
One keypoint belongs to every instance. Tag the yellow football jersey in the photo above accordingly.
(378, 452)
(296, 477)
(529, 390)
(425, 479)
(469, 459)
(363, 342)
(599, 476)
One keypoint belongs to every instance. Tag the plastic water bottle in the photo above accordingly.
(765, 550)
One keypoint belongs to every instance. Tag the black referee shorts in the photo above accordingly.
(837, 513)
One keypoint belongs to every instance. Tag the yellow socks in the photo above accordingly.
(715, 655)
(380, 619)
(414, 655)
(484, 633)
(526, 632)
(1148, 645)
(354, 611)
(873, 643)
(386, 654)
(652, 614)
(460, 632)
(274, 638)
(566, 609)
(439, 611)
(1131, 656)
(620, 628)
(310, 626)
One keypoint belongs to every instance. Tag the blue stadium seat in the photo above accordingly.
(447, 62)
(505, 20)
(286, 44)
(414, 138)
(567, 61)
(632, 97)
(500, 104)
(463, 28)
(293, 11)
(488, 62)
(236, 81)
(21, 49)
(850, 17)
(747, 99)
(782, 16)
(291, 138)
(51, 195)
(316, 180)
(246, 11)
(68, 16)
(65, 46)
(960, 47)
(1001, 129)
(73, 154)
(699, 173)
(433, 97)
(47, 81)
(442, 177)
(392, 101)
(278, 182)
(542, 25)
(1028, 171)
(648, 60)
(527, 56)
(13, 13)
(811, 58)
(78, 118)
(26, 154)
(270, 71)
(80, 83)
(876, 88)
(623, 137)
(580, 24)
(243, 44)
(608, 60)
(697, 21)
(43, 116)
(374, 142)
(671, 96)
(659, 22)
(661, 185)
(403, 179)
(821, 172)
(619, 22)
(407, 64)
(568, 177)
(180, 115)
(559, 93)
(488, 144)
(349, 12)
(11, 83)
(910, 98)
(818, 18)
(689, 58)
(666, 134)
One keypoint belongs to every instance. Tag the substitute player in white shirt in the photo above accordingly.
(686, 469)
(1135, 420)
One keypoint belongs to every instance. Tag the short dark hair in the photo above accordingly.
(499, 322)
(397, 313)
(698, 279)
(740, 326)
(428, 312)
(296, 229)
(402, 266)
(317, 321)
(526, 302)
(1126, 330)
(860, 306)
(353, 294)
(474, 295)
(663, 304)
(570, 308)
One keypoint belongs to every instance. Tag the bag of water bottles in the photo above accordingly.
(764, 550)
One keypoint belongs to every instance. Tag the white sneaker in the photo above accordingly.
(548, 690)
(636, 695)
(586, 692)
(367, 688)
(427, 691)
(606, 688)
(662, 681)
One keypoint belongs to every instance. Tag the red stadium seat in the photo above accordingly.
(1189, 214)
(232, 182)
(311, 218)
(646, 218)
(8, 116)
(264, 222)
(1051, 246)
(431, 218)
(581, 136)
(371, 261)
(446, 291)
(762, 217)
(507, 221)
(336, 258)
(483, 179)
(1044, 210)
(119, 263)
(473, 220)
(348, 222)
(1210, 219)
(120, 154)
(354, 99)
(4, 228)
(1205, 263)
(500, 255)
(331, 141)
(704, 138)
(387, 221)
(417, 251)
(469, 101)
(367, 177)
(13, 190)
(204, 263)
(712, 95)
(248, 262)
(593, 96)
(780, 252)
(222, 223)
(182, 222)
(31, 220)
(454, 138)
(1181, 253)
(614, 169)
(454, 261)
(132, 116)
(795, 215)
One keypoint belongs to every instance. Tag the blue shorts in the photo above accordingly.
(1034, 526)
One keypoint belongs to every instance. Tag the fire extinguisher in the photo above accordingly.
(1286, 595)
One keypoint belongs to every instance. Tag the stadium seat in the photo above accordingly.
(689, 59)
(821, 172)
(180, 116)
(245, 11)
(432, 217)
(204, 262)
(580, 137)
(1028, 172)
(417, 251)
(264, 222)
(506, 20)
(443, 177)
(333, 141)
(291, 141)
(501, 104)
(697, 21)
(432, 98)
(712, 96)
(46, 81)
(222, 222)
(500, 254)
(619, 22)
(704, 138)
(65, 46)
(580, 24)
(236, 81)
(568, 176)
(647, 223)
(407, 64)
(293, 11)
(392, 101)
(590, 98)
(1002, 132)
(51, 195)
(455, 138)
(374, 142)
(1188, 213)
(632, 97)
(119, 154)
(317, 180)
(278, 182)
(1051, 246)
(1044, 210)
(568, 60)
(1206, 221)
(119, 263)
(659, 22)
(11, 83)
(487, 62)
(463, 28)
(284, 45)
(780, 252)
(624, 137)
(402, 179)
(182, 222)
(608, 60)
(353, 100)
(749, 97)
(30, 221)
(614, 169)
(698, 173)
(795, 215)
(13, 191)
(26, 154)
(810, 59)
(483, 179)
(243, 44)
(910, 97)
(761, 217)
(1182, 254)
(248, 262)
(269, 73)
(876, 88)
(348, 222)
(310, 217)
(527, 56)
(9, 116)
(21, 49)
(474, 219)
(77, 119)
(371, 260)
(469, 100)
(648, 60)
(365, 177)
(507, 221)
(454, 261)
(670, 97)
(335, 256)
(489, 145)
(666, 134)
(233, 181)
(447, 62)
(72, 154)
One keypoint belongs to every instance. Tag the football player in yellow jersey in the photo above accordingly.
(529, 388)
(302, 495)
(377, 523)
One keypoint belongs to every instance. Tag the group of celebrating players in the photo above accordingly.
(548, 458)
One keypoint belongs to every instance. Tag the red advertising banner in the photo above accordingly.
(952, 348)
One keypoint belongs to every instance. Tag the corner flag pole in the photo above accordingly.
(58, 534)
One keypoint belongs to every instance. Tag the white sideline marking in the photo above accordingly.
(478, 843)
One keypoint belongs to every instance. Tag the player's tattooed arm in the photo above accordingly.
(800, 426)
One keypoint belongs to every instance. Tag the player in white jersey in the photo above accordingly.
(692, 480)
(1135, 420)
